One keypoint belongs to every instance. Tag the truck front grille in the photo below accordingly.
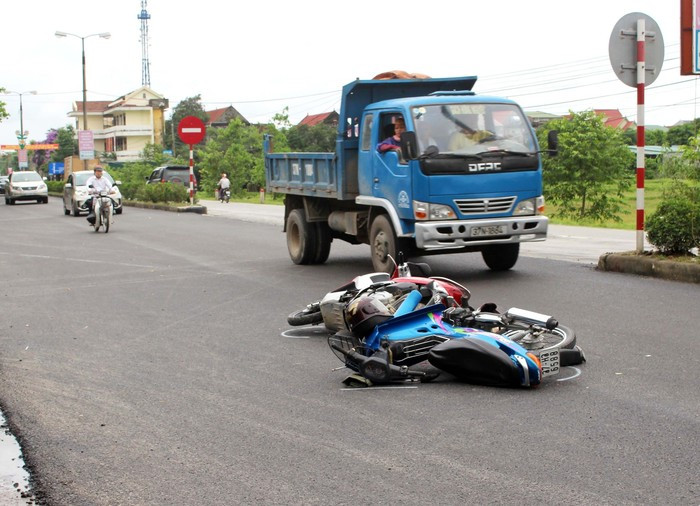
(485, 206)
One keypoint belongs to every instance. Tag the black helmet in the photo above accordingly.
(365, 313)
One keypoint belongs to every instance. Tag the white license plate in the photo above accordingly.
(487, 231)
(550, 362)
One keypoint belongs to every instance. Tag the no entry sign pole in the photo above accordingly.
(641, 71)
(191, 131)
(191, 175)
(637, 54)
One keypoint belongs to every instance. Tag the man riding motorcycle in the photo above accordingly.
(95, 185)
(223, 185)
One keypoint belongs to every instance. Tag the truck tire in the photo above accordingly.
(323, 243)
(382, 242)
(501, 257)
(301, 238)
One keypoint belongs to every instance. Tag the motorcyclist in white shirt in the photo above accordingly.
(95, 185)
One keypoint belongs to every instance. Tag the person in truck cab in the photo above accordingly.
(394, 141)
(468, 134)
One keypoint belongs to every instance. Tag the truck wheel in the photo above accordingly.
(301, 238)
(323, 243)
(501, 257)
(382, 241)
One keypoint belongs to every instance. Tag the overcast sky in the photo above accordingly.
(549, 55)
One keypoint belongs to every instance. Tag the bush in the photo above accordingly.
(129, 190)
(55, 186)
(162, 192)
(675, 226)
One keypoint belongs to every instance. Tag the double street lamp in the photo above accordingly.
(21, 133)
(104, 35)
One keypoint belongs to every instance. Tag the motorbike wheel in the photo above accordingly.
(98, 221)
(560, 338)
(106, 219)
(310, 315)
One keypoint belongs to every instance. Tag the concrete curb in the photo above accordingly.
(642, 265)
(166, 207)
(199, 209)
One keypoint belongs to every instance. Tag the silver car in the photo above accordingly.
(3, 182)
(26, 185)
(75, 192)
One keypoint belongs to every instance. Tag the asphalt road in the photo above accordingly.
(153, 365)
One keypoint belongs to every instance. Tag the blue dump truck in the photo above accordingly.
(466, 176)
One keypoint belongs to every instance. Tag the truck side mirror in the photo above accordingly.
(409, 145)
(553, 142)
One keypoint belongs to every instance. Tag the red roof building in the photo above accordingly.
(614, 118)
(222, 117)
(328, 118)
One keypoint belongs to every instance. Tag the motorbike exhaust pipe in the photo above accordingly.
(532, 317)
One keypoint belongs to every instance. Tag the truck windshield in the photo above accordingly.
(472, 129)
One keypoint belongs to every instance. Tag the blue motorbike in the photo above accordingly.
(515, 349)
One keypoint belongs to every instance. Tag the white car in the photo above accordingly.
(26, 185)
(75, 192)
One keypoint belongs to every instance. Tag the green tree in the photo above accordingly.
(588, 177)
(281, 119)
(153, 153)
(318, 138)
(3, 112)
(680, 134)
(190, 106)
(67, 144)
(237, 150)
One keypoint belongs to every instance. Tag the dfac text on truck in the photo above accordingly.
(466, 176)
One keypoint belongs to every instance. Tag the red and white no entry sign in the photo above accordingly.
(191, 130)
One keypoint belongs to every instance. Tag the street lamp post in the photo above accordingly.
(104, 35)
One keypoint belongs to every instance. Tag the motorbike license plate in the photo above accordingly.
(550, 362)
(488, 231)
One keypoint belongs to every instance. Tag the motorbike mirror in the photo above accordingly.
(90, 186)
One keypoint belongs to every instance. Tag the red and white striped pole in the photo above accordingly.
(191, 175)
(641, 70)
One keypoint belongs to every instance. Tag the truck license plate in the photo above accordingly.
(490, 230)
(550, 362)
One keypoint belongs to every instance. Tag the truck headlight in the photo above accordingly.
(529, 207)
(425, 211)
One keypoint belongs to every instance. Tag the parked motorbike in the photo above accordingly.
(224, 195)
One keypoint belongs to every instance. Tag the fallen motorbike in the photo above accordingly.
(386, 326)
